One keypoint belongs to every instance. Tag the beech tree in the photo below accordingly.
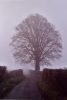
(36, 41)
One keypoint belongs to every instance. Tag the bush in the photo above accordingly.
(11, 80)
(3, 72)
(54, 84)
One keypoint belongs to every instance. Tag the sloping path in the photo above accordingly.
(26, 90)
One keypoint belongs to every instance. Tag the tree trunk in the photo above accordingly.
(37, 66)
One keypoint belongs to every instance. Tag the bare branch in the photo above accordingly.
(36, 40)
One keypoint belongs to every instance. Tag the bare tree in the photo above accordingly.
(36, 40)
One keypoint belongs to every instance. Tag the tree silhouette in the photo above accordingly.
(36, 40)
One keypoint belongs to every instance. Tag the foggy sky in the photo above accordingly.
(12, 12)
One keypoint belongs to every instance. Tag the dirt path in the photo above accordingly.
(26, 90)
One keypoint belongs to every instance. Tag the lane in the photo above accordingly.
(17, 91)
(25, 90)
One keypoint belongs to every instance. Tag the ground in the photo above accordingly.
(27, 89)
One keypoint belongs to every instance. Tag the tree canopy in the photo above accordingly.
(36, 41)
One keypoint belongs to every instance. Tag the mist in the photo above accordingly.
(14, 12)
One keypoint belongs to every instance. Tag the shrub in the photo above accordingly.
(54, 84)
(3, 72)
(47, 92)
(11, 80)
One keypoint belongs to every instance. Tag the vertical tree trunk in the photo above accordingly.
(37, 66)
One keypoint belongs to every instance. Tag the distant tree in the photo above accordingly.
(36, 40)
